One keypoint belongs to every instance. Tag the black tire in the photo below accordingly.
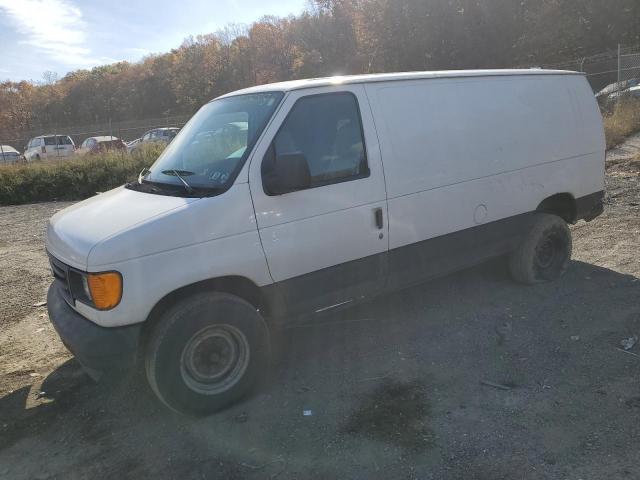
(544, 253)
(37, 158)
(207, 352)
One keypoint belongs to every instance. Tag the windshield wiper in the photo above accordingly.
(142, 174)
(176, 173)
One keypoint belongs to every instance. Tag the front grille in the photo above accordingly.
(61, 276)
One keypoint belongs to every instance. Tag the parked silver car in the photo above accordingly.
(609, 95)
(165, 135)
(8, 154)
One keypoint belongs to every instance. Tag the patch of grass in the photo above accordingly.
(74, 179)
(622, 122)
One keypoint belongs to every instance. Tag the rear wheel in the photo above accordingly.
(207, 352)
(544, 253)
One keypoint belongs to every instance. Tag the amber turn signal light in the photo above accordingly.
(105, 288)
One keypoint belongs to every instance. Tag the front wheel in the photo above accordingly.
(545, 251)
(207, 352)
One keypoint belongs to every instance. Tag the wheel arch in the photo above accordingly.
(235, 285)
(561, 204)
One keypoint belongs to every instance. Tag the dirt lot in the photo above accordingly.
(394, 386)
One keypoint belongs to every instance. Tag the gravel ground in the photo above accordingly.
(395, 386)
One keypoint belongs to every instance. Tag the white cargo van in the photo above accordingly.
(298, 197)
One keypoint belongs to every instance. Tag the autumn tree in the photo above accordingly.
(330, 37)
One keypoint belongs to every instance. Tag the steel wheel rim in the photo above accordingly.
(214, 359)
(546, 252)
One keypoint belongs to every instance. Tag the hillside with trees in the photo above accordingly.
(330, 37)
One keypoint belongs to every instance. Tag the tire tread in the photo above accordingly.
(164, 326)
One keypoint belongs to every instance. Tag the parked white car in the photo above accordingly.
(8, 154)
(49, 147)
(340, 189)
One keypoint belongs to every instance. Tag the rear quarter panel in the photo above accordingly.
(461, 152)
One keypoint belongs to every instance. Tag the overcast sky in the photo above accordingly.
(64, 35)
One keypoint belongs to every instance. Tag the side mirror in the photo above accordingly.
(285, 173)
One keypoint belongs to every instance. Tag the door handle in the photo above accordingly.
(377, 213)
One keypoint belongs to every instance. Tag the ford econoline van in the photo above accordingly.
(293, 198)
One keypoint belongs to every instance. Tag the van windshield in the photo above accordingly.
(212, 147)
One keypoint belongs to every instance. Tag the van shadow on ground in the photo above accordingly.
(394, 388)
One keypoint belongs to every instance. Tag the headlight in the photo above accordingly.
(100, 290)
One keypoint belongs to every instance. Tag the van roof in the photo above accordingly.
(387, 77)
(52, 135)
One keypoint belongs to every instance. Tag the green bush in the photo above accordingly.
(73, 179)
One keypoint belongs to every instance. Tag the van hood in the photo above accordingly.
(73, 232)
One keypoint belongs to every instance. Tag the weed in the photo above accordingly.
(622, 122)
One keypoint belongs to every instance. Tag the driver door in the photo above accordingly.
(326, 245)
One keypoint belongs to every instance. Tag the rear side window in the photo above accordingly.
(327, 130)
(60, 140)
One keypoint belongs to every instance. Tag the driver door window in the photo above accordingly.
(326, 129)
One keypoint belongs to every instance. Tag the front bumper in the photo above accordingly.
(97, 348)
